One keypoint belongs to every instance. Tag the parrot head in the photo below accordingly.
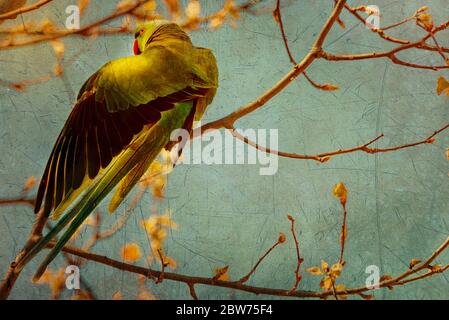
(156, 30)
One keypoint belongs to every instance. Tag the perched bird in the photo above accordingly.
(123, 117)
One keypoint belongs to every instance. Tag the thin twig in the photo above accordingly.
(32, 7)
(254, 268)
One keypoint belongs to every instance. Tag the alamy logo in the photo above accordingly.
(373, 280)
(73, 20)
(72, 282)
(221, 147)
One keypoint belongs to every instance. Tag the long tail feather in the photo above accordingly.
(145, 146)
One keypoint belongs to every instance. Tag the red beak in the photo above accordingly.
(136, 48)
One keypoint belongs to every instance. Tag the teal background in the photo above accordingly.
(229, 214)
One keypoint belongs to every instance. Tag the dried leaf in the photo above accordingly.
(413, 263)
(422, 9)
(341, 192)
(29, 184)
(58, 69)
(328, 87)
(324, 266)
(326, 283)
(436, 268)
(216, 22)
(193, 10)
(221, 273)
(336, 270)
(58, 48)
(442, 86)
(131, 252)
(426, 20)
(316, 271)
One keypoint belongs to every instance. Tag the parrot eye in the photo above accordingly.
(138, 33)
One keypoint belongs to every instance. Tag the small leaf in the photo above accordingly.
(442, 86)
(316, 271)
(326, 283)
(413, 263)
(336, 270)
(328, 87)
(436, 268)
(221, 273)
(341, 192)
(58, 48)
(422, 9)
(193, 10)
(426, 20)
(29, 184)
(131, 252)
(324, 266)
(385, 277)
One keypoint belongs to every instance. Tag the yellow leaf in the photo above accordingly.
(131, 252)
(328, 87)
(426, 19)
(442, 86)
(336, 270)
(422, 9)
(341, 192)
(58, 48)
(216, 22)
(436, 268)
(193, 10)
(29, 184)
(326, 283)
(316, 271)
(413, 263)
(221, 273)
(324, 266)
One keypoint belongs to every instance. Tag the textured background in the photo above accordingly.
(229, 214)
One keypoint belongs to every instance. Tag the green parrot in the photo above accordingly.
(123, 117)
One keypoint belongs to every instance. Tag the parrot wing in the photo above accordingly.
(123, 117)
